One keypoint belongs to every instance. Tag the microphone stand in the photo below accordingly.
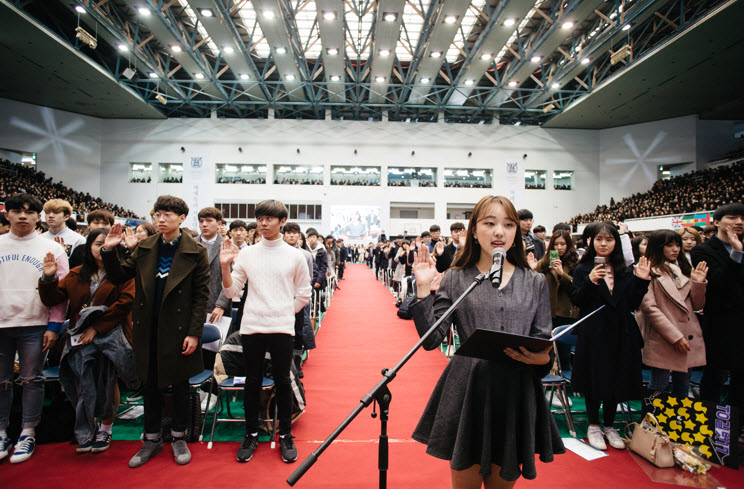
(381, 394)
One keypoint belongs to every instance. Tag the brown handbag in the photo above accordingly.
(651, 443)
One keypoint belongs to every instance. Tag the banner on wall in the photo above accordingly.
(700, 219)
(509, 182)
(197, 176)
(710, 427)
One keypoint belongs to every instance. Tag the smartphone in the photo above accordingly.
(554, 255)
(599, 260)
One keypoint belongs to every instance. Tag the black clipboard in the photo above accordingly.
(489, 345)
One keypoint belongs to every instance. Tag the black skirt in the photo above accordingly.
(490, 412)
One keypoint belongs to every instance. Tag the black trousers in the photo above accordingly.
(281, 347)
(152, 396)
(711, 387)
(341, 267)
(609, 408)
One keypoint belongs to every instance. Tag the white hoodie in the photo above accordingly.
(21, 262)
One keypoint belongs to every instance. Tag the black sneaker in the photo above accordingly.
(288, 448)
(85, 447)
(103, 441)
(249, 445)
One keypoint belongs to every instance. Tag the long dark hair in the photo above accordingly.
(655, 251)
(472, 250)
(90, 267)
(635, 245)
(570, 257)
(616, 259)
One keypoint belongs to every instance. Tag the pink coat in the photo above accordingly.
(666, 315)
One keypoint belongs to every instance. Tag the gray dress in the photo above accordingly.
(489, 411)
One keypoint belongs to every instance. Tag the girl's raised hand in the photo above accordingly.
(699, 273)
(643, 269)
(423, 269)
(531, 261)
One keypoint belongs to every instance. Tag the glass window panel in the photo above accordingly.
(243, 211)
(563, 180)
(302, 212)
(234, 211)
(467, 177)
(292, 211)
(251, 211)
(534, 179)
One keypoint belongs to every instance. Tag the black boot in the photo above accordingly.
(298, 364)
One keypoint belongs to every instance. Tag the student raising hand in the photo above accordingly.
(424, 269)
(643, 269)
(50, 265)
(228, 252)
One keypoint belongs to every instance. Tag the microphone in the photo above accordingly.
(498, 255)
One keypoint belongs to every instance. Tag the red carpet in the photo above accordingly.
(359, 336)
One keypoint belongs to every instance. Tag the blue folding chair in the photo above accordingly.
(210, 334)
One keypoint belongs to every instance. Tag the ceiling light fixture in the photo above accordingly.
(144, 11)
(268, 14)
(626, 27)
(384, 52)
(280, 50)
(536, 59)
(335, 78)
(450, 19)
(153, 74)
(510, 22)
(289, 77)
(79, 9)
(199, 76)
(243, 76)
(331, 51)
(425, 80)
(329, 15)
(206, 12)
(585, 61)
(567, 25)
(555, 86)
(436, 54)
(512, 84)
(469, 82)
(176, 49)
(486, 56)
(390, 16)
(228, 49)
(122, 48)
(380, 79)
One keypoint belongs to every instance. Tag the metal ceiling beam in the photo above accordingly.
(492, 39)
(385, 39)
(332, 38)
(223, 32)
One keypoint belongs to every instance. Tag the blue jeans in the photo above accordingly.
(28, 341)
(660, 381)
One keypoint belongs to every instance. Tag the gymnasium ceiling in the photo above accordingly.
(480, 61)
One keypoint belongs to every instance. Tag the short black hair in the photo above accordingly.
(525, 214)
(731, 209)
(434, 228)
(425, 234)
(4, 220)
(312, 232)
(237, 223)
(271, 208)
(171, 203)
(330, 236)
(100, 215)
(251, 225)
(71, 223)
(210, 212)
(291, 227)
(539, 229)
(561, 226)
(457, 226)
(17, 202)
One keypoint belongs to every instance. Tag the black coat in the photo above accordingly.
(723, 330)
(183, 309)
(607, 364)
(444, 261)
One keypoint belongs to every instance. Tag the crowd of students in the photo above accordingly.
(697, 191)
(15, 178)
(135, 301)
(670, 304)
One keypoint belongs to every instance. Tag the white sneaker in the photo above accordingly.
(595, 437)
(614, 439)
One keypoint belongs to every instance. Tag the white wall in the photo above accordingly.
(629, 155)
(68, 146)
(94, 155)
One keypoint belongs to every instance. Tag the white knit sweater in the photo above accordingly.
(278, 286)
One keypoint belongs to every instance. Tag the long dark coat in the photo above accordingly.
(722, 323)
(183, 309)
(607, 364)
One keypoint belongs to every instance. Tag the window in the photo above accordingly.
(563, 180)
(170, 173)
(467, 178)
(140, 172)
(240, 173)
(412, 177)
(237, 210)
(305, 212)
(535, 179)
(247, 212)
(298, 175)
(459, 211)
(364, 176)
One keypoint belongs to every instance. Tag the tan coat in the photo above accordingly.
(667, 315)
